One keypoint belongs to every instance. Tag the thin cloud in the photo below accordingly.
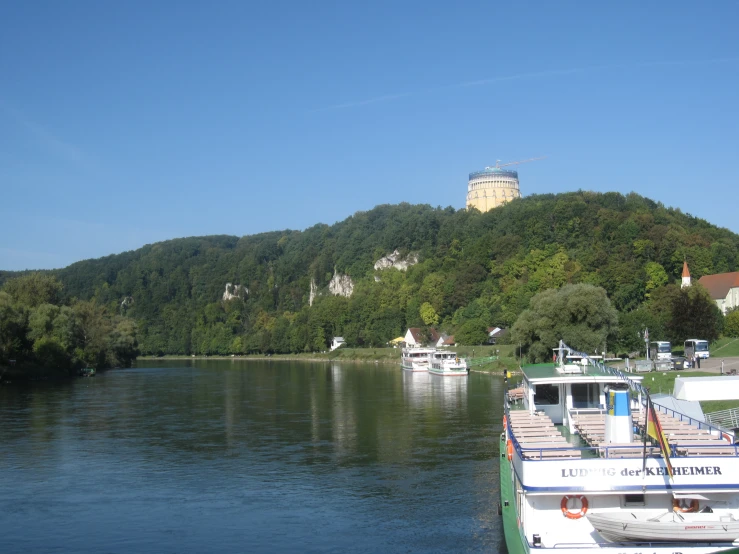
(530, 75)
(48, 141)
(384, 98)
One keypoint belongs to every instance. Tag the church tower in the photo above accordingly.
(686, 276)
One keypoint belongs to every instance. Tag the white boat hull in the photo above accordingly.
(414, 367)
(625, 527)
(459, 372)
(416, 359)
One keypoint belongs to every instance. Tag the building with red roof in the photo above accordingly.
(723, 288)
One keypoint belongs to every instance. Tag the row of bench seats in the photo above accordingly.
(538, 437)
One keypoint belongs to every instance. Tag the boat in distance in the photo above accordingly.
(447, 364)
(416, 358)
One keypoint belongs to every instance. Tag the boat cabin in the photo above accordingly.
(558, 390)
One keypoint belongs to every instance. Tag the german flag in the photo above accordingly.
(654, 430)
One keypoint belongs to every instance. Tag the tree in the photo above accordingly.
(34, 289)
(580, 315)
(731, 324)
(689, 312)
(472, 333)
(656, 276)
(428, 314)
(13, 321)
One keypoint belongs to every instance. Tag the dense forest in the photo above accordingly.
(40, 330)
(473, 271)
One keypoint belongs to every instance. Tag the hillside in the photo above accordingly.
(475, 269)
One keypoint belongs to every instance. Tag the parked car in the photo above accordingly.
(679, 362)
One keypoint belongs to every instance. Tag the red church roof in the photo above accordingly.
(686, 273)
(720, 284)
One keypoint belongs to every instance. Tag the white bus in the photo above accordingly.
(660, 350)
(698, 347)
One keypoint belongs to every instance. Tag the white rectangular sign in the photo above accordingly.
(626, 474)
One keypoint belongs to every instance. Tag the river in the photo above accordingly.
(236, 456)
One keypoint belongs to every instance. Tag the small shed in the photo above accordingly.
(337, 342)
(724, 387)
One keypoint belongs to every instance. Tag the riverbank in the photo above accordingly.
(390, 356)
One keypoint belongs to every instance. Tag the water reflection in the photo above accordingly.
(234, 455)
(451, 390)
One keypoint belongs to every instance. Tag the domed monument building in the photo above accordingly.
(493, 186)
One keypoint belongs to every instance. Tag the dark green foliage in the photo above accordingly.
(35, 332)
(731, 324)
(472, 333)
(472, 267)
(580, 315)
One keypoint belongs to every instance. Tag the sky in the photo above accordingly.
(128, 123)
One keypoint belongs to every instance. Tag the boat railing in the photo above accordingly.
(714, 429)
(605, 451)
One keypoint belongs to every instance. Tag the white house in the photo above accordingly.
(494, 333)
(445, 340)
(336, 342)
(723, 288)
(413, 337)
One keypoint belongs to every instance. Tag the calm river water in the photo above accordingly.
(235, 456)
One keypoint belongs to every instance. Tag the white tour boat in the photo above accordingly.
(447, 363)
(416, 358)
(576, 475)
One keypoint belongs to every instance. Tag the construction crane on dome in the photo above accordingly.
(498, 165)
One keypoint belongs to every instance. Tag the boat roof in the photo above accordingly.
(548, 373)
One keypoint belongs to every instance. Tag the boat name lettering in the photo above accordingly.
(650, 471)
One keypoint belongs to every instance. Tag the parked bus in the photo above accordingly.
(660, 350)
(698, 347)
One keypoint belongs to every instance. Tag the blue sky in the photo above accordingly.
(127, 123)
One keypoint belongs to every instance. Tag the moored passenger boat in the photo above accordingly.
(416, 358)
(577, 474)
(447, 363)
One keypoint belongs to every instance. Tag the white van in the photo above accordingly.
(698, 347)
(660, 350)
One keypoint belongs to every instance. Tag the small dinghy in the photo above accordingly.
(666, 527)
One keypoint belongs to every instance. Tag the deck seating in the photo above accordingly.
(625, 450)
(541, 451)
(705, 448)
(515, 395)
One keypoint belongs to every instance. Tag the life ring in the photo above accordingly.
(574, 515)
(683, 507)
(509, 448)
(505, 422)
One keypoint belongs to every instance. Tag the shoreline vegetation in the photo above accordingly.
(385, 356)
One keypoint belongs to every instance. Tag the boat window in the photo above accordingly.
(546, 394)
(585, 395)
(634, 500)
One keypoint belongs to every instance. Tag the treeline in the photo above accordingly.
(39, 329)
(474, 271)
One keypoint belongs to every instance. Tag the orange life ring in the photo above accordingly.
(505, 422)
(683, 507)
(574, 515)
(509, 448)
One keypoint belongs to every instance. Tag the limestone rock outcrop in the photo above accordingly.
(397, 261)
(234, 291)
(341, 285)
(313, 292)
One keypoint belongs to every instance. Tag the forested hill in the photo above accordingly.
(474, 270)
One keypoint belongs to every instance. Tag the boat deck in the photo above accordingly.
(539, 438)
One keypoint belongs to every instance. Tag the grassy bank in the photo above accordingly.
(725, 348)
(505, 360)
(665, 383)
